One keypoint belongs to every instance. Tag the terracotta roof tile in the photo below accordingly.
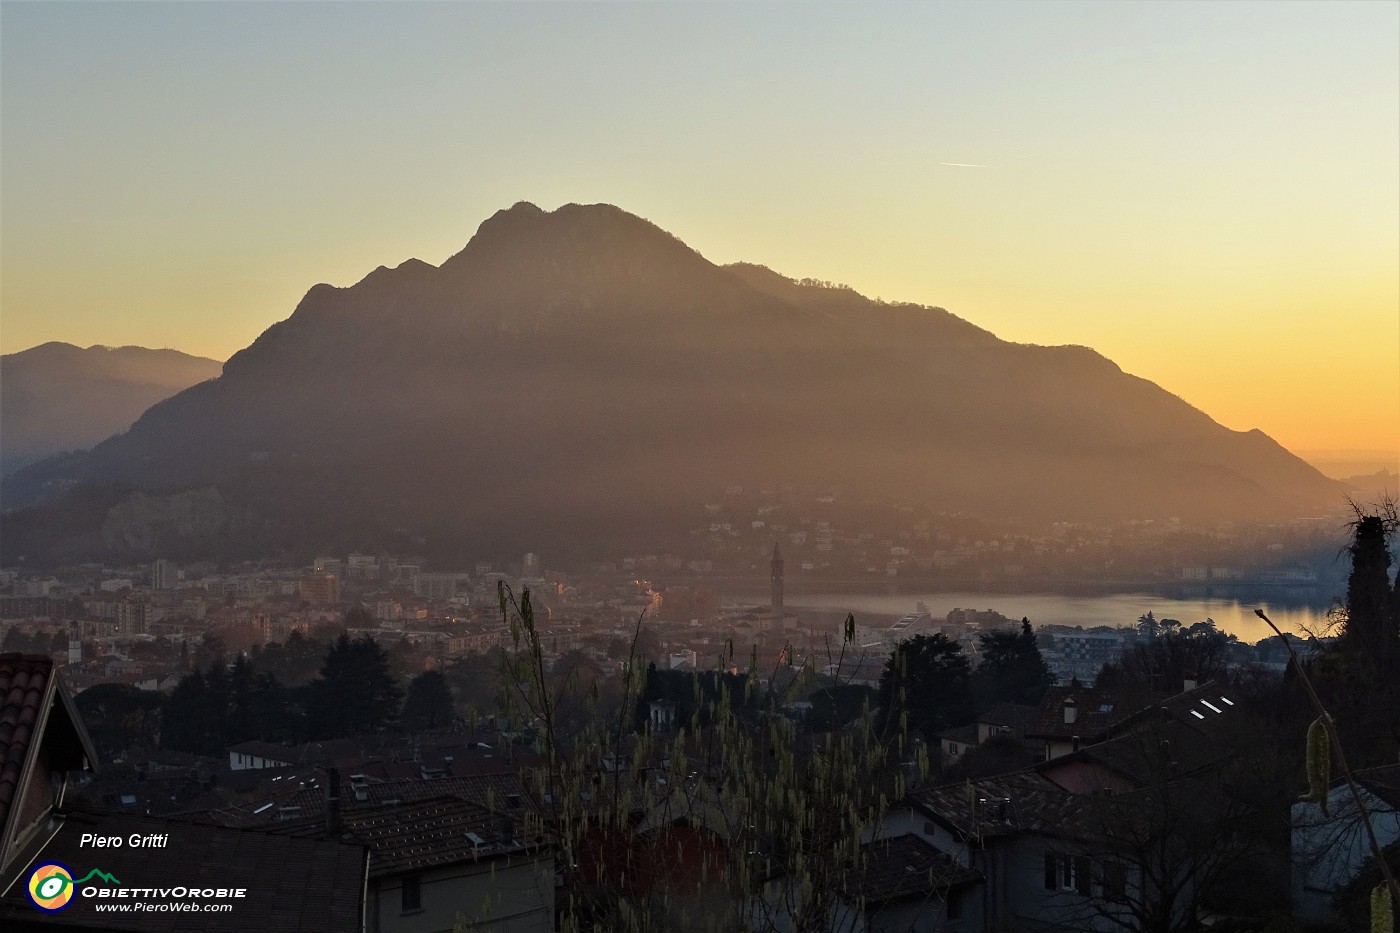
(23, 681)
(1096, 713)
(411, 836)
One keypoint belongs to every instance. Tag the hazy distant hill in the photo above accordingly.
(581, 379)
(57, 397)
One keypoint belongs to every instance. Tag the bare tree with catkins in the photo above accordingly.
(733, 818)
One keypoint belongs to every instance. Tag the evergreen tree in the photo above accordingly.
(241, 716)
(1012, 669)
(1372, 629)
(1360, 681)
(218, 695)
(429, 702)
(356, 692)
(184, 714)
(926, 680)
(1164, 664)
(120, 717)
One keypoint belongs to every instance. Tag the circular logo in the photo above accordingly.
(51, 886)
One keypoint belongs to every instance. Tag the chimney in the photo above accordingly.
(333, 801)
(1189, 683)
(1071, 712)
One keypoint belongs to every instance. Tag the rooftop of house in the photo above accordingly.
(904, 867)
(1001, 805)
(1179, 736)
(24, 682)
(502, 792)
(400, 755)
(1016, 717)
(965, 735)
(1028, 803)
(36, 711)
(1209, 709)
(417, 835)
(1095, 713)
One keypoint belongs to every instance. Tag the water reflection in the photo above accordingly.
(1299, 611)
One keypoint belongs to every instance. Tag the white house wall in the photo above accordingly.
(1329, 852)
(510, 897)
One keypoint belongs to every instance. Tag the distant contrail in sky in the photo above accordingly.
(962, 164)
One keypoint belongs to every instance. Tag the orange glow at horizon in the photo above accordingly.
(1208, 194)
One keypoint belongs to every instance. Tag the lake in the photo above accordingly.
(1233, 613)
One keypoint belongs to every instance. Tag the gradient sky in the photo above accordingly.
(1209, 194)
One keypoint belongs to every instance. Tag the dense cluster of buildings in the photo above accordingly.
(457, 828)
(827, 535)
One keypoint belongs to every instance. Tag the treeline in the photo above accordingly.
(354, 693)
(930, 683)
(16, 639)
(351, 690)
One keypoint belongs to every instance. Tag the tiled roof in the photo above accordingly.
(1002, 805)
(24, 680)
(1170, 748)
(502, 792)
(305, 789)
(294, 885)
(1015, 716)
(417, 835)
(401, 756)
(1208, 709)
(967, 734)
(1096, 712)
(905, 866)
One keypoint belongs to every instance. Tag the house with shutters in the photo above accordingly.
(1100, 837)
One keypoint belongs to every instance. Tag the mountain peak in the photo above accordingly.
(577, 237)
(525, 220)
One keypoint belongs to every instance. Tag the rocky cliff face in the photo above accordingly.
(143, 524)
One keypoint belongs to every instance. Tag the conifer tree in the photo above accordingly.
(926, 682)
(356, 692)
(1372, 629)
(428, 704)
(1012, 669)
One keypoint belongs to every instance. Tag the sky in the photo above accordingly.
(1206, 193)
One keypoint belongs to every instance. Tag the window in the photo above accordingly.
(955, 905)
(1066, 872)
(411, 893)
(1115, 880)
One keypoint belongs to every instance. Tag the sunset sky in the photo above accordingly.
(1209, 194)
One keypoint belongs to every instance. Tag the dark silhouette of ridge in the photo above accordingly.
(583, 377)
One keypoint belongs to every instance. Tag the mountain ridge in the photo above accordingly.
(57, 396)
(583, 372)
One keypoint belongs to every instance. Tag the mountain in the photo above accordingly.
(57, 397)
(583, 378)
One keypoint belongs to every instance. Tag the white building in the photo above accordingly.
(1330, 851)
